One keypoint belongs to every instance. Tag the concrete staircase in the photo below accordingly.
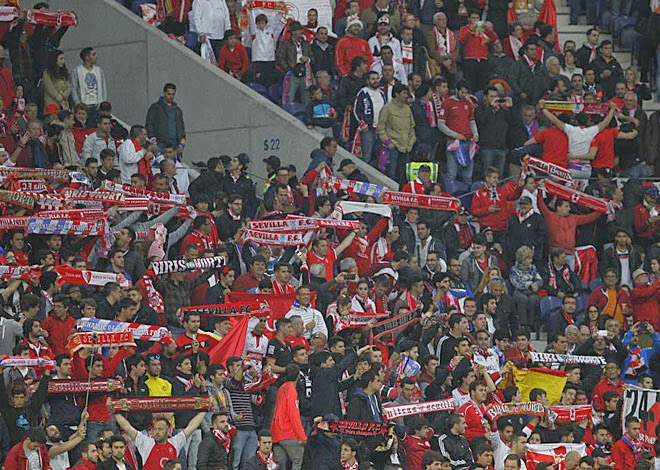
(577, 33)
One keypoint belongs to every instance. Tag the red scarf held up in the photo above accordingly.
(144, 167)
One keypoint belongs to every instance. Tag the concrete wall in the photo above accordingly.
(222, 116)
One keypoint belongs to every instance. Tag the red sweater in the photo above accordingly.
(475, 45)
(481, 201)
(561, 230)
(16, 459)
(645, 301)
(58, 332)
(235, 61)
(414, 449)
(360, 248)
(640, 219)
(286, 419)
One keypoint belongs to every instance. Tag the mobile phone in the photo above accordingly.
(602, 333)
(349, 276)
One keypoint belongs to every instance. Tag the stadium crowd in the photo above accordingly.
(154, 320)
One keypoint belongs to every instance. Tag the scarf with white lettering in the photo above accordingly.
(269, 461)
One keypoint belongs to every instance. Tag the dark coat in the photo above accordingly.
(206, 186)
(111, 465)
(532, 233)
(157, 125)
(524, 80)
(246, 188)
(286, 54)
(423, 130)
(30, 413)
(211, 455)
(609, 260)
(326, 386)
(324, 59)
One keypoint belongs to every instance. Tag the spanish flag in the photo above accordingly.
(552, 381)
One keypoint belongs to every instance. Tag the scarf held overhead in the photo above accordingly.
(181, 265)
(139, 331)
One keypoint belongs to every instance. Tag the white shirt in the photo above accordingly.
(399, 70)
(500, 452)
(129, 157)
(626, 279)
(579, 139)
(377, 102)
(393, 42)
(210, 17)
(308, 314)
(182, 177)
(263, 46)
(145, 444)
(61, 461)
(459, 398)
(255, 349)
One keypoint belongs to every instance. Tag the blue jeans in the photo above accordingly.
(454, 169)
(245, 446)
(295, 86)
(493, 158)
(95, 427)
(369, 140)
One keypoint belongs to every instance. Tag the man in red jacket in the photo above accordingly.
(59, 324)
(350, 46)
(35, 340)
(475, 411)
(627, 450)
(200, 236)
(289, 435)
(489, 203)
(34, 444)
(645, 299)
(474, 38)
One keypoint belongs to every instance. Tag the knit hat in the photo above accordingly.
(352, 20)
(295, 26)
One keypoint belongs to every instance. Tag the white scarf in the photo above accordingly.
(515, 44)
(445, 44)
(407, 53)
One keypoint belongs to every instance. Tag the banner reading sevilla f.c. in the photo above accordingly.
(644, 405)
(276, 12)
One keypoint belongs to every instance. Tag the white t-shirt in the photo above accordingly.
(255, 349)
(579, 139)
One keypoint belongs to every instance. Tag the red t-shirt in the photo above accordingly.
(458, 114)
(328, 261)
(555, 146)
(604, 142)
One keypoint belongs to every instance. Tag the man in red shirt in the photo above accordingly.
(611, 381)
(158, 447)
(602, 147)
(200, 236)
(350, 46)
(59, 324)
(36, 342)
(251, 279)
(360, 246)
(322, 253)
(489, 203)
(475, 411)
(562, 224)
(555, 145)
(184, 343)
(457, 122)
(416, 442)
(474, 38)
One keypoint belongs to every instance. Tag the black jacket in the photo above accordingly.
(64, 409)
(324, 59)
(253, 463)
(359, 408)
(326, 386)
(524, 80)
(211, 455)
(457, 449)
(321, 452)
(348, 90)
(532, 232)
(573, 285)
(557, 323)
(157, 122)
(227, 226)
(182, 418)
(423, 130)
(206, 186)
(609, 259)
(19, 421)
(139, 420)
(304, 389)
(4, 440)
(111, 465)
(244, 187)
(493, 127)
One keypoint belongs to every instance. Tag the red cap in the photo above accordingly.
(51, 109)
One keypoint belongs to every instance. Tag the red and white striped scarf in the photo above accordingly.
(445, 44)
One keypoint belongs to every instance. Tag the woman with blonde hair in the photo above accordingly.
(631, 77)
(526, 282)
(492, 272)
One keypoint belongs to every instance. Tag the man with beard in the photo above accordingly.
(58, 450)
(153, 449)
(89, 457)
